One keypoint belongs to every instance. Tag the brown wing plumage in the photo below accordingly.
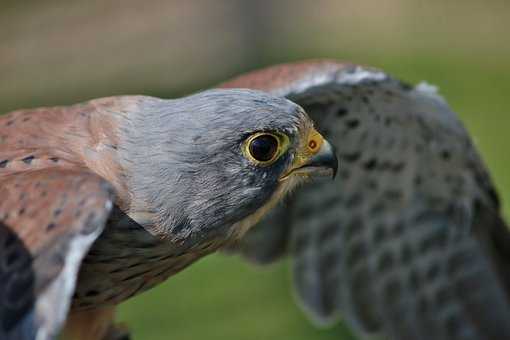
(48, 220)
(408, 243)
(53, 206)
(83, 135)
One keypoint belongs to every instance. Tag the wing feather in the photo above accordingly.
(48, 220)
(400, 245)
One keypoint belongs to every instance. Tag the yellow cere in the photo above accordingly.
(315, 141)
(310, 147)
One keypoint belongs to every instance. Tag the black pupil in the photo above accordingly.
(263, 148)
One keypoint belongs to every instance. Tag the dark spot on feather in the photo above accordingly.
(445, 155)
(92, 292)
(435, 239)
(50, 226)
(494, 197)
(350, 157)
(21, 211)
(370, 164)
(26, 119)
(443, 296)
(406, 86)
(341, 112)
(58, 258)
(205, 246)
(134, 265)
(90, 224)
(380, 234)
(353, 228)
(124, 337)
(116, 270)
(357, 252)
(10, 239)
(28, 160)
(432, 272)
(398, 228)
(385, 262)
(392, 291)
(57, 212)
(365, 100)
(328, 232)
(54, 159)
(133, 276)
(352, 123)
(9, 123)
(328, 260)
(406, 254)
(414, 280)
(3, 163)
(418, 180)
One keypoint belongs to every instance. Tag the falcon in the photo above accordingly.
(408, 243)
(105, 199)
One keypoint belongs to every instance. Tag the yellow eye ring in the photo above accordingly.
(264, 148)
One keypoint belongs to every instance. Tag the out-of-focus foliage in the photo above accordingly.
(59, 52)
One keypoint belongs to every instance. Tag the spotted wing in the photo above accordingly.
(408, 242)
(48, 220)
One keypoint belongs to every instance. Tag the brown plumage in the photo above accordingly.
(69, 175)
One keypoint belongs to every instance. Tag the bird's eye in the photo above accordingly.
(263, 148)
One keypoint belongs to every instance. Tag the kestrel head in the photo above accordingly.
(212, 164)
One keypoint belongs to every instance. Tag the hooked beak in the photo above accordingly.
(323, 162)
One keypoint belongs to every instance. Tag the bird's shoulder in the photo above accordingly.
(81, 136)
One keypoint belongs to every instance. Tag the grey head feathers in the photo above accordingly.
(186, 154)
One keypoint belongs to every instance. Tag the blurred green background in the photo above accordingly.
(59, 52)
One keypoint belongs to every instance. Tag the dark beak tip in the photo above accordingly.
(326, 159)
